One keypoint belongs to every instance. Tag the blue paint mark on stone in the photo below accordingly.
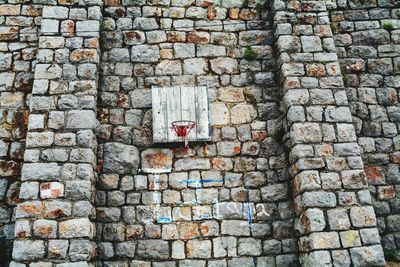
(164, 220)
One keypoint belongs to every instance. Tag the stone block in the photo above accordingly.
(153, 249)
(235, 228)
(350, 238)
(244, 113)
(40, 171)
(145, 53)
(322, 240)
(319, 199)
(354, 179)
(45, 228)
(28, 250)
(198, 249)
(249, 247)
(368, 256)
(363, 216)
(51, 190)
(312, 220)
(81, 119)
(120, 158)
(76, 228)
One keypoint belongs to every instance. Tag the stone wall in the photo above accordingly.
(367, 36)
(227, 200)
(304, 119)
(19, 23)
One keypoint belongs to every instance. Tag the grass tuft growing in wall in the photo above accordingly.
(250, 54)
(388, 26)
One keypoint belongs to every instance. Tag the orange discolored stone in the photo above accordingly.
(374, 174)
(175, 37)
(211, 12)
(386, 192)
(156, 159)
(248, 14)
(8, 33)
(258, 136)
(134, 232)
(10, 10)
(188, 230)
(234, 13)
(84, 55)
(198, 37)
(291, 83)
(166, 53)
(316, 70)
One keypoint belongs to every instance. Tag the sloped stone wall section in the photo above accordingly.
(335, 217)
(367, 36)
(53, 219)
(19, 24)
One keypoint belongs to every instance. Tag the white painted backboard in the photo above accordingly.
(176, 103)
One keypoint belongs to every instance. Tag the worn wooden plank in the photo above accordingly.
(174, 111)
(188, 100)
(203, 124)
(159, 115)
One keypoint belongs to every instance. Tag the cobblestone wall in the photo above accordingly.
(19, 22)
(334, 212)
(226, 201)
(367, 36)
(52, 221)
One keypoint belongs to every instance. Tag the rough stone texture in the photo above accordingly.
(370, 65)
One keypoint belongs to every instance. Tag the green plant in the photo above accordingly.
(245, 3)
(388, 26)
(333, 27)
(392, 254)
(250, 54)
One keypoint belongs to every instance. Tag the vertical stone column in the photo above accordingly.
(53, 220)
(335, 219)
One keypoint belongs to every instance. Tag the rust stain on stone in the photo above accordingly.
(374, 173)
(259, 136)
(158, 159)
(195, 38)
(211, 12)
(44, 230)
(57, 213)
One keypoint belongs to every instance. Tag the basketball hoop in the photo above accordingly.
(182, 129)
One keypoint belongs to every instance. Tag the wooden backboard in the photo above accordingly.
(176, 103)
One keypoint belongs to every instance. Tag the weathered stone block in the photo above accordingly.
(28, 250)
(75, 228)
(81, 119)
(120, 158)
(153, 249)
(364, 256)
(363, 216)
